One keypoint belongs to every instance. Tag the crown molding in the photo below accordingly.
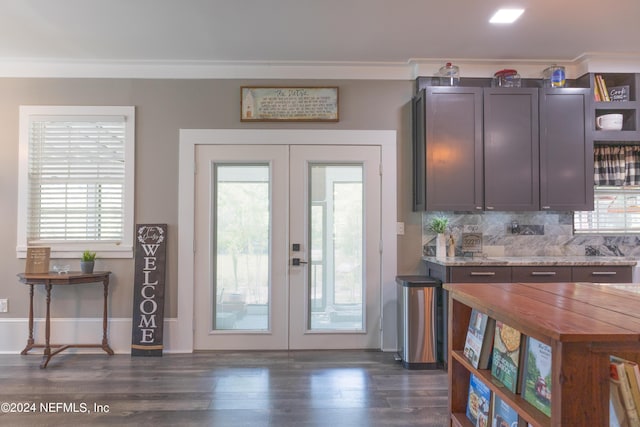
(602, 62)
(206, 69)
(309, 70)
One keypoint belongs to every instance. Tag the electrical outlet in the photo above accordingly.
(4, 305)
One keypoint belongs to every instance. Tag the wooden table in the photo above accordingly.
(49, 280)
(583, 323)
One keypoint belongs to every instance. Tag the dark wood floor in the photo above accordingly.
(296, 388)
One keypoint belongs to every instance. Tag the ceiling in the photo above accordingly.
(362, 31)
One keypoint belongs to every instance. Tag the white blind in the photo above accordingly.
(76, 179)
(616, 211)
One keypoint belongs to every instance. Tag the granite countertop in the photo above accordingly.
(531, 261)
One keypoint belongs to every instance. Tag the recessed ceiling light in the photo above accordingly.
(506, 16)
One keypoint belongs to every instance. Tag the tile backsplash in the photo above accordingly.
(529, 234)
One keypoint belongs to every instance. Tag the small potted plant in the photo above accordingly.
(439, 226)
(87, 262)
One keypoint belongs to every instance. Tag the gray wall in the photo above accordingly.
(162, 108)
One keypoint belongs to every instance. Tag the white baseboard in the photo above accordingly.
(14, 334)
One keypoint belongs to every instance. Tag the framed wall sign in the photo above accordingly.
(291, 104)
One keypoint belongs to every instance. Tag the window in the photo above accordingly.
(617, 192)
(76, 180)
(616, 211)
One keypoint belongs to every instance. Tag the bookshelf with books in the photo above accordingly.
(615, 93)
(599, 321)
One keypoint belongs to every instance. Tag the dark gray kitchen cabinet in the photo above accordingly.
(477, 274)
(503, 149)
(511, 155)
(566, 153)
(418, 152)
(529, 273)
(453, 149)
(480, 149)
(602, 274)
(540, 274)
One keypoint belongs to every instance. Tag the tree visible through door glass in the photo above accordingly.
(242, 224)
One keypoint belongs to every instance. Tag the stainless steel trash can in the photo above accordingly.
(420, 324)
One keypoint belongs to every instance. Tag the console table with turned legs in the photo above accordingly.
(49, 280)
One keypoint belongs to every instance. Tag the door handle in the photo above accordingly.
(296, 261)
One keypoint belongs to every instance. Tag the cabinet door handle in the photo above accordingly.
(543, 273)
(490, 208)
(483, 273)
(603, 273)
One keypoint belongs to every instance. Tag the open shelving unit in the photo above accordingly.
(583, 323)
(630, 109)
(526, 410)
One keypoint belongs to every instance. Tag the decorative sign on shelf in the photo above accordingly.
(305, 104)
(37, 260)
(619, 93)
(148, 290)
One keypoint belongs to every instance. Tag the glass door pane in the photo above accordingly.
(336, 286)
(241, 247)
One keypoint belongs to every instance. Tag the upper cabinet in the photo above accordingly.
(511, 165)
(566, 151)
(452, 123)
(506, 149)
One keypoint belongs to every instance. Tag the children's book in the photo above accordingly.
(536, 383)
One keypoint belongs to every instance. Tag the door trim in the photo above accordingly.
(190, 138)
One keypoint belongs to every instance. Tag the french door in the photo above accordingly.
(287, 247)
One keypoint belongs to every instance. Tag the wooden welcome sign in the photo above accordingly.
(148, 290)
